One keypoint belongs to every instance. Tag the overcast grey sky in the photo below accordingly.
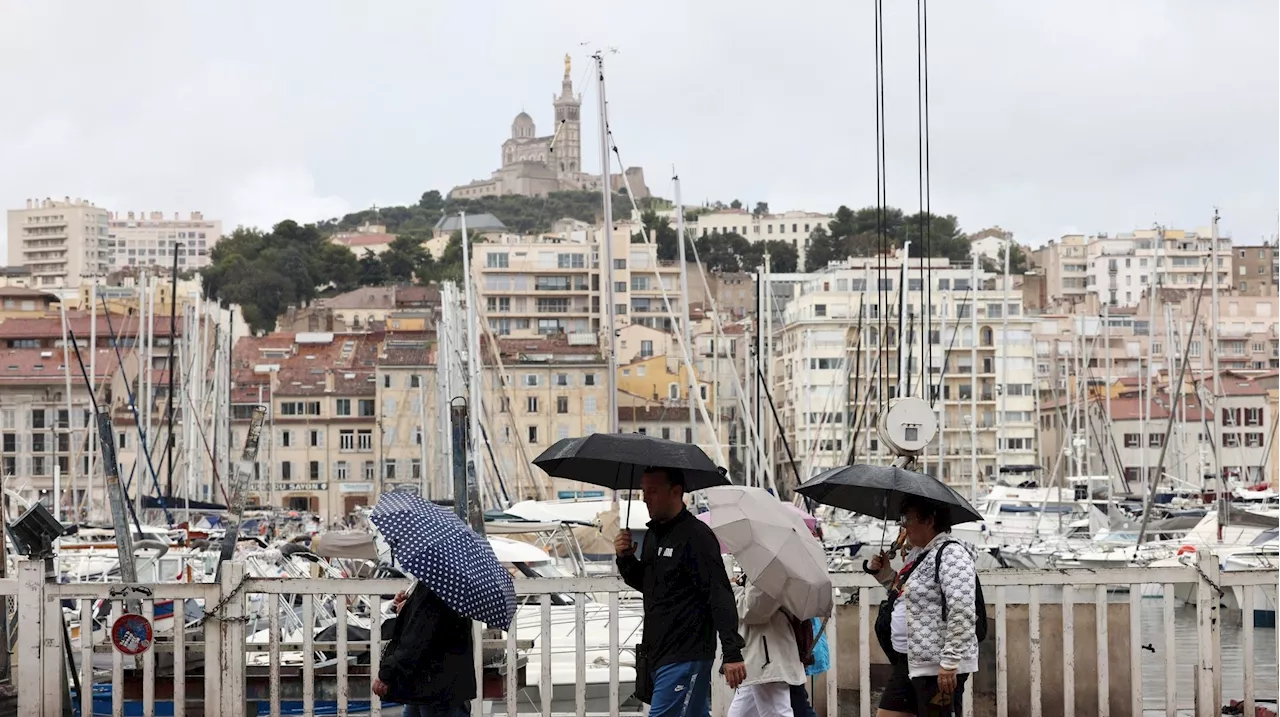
(1047, 117)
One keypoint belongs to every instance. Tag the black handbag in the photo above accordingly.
(644, 676)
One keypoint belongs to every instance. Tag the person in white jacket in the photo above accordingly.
(771, 656)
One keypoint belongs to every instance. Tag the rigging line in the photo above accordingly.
(1182, 372)
(928, 174)
(881, 180)
(922, 219)
(133, 406)
(93, 401)
(946, 356)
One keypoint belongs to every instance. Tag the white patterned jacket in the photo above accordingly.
(931, 643)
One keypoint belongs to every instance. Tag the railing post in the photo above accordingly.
(1208, 623)
(54, 657)
(30, 623)
(231, 641)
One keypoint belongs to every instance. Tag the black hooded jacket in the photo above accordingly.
(429, 659)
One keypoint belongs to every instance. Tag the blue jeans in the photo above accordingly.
(800, 702)
(682, 689)
(433, 711)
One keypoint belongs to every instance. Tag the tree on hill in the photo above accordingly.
(267, 272)
(1019, 262)
(654, 225)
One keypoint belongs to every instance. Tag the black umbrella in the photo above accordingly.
(878, 491)
(616, 460)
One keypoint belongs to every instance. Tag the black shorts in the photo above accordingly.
(920, 696)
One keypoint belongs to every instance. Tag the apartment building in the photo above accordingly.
(409, 416)
(1119, 269)
(551, 286)
(1257, 269)
(43, 429)
(60, 242)
(790, 226)
(149, 239)
(540, 391)
(836, 353)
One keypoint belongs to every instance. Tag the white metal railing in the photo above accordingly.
(231, 679)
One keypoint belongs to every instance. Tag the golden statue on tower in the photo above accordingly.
(568, 61)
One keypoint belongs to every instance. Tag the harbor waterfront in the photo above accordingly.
(1039, 659)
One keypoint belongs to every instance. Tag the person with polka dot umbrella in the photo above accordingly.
(434, 546)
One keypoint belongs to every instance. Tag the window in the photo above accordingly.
(415, 468)
(819, 309)
(619, 263)
(589, 379)
(364, 440)
(1155, 440)
(389, 469)
(620, 287)
(367, 470)
(562, 380)
(673, 391)
(1253, 416)
(343, 407)
(496, 260)
(313, 470)
(589, 405)
(702, 391)
(531, 404)
(1253, 440)
(386, 380)
(123, 441)
(1133, 440)
(562, 404)
(570, 261)
(533, 435)
(646, 349)
(286, 470)
(316, 439)
(688, 435)
(346, 440)
(340, 470)
(666, 433)
(415, 381)
(531, 380)
(366, 408)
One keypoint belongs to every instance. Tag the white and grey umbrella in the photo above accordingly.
(774, 547)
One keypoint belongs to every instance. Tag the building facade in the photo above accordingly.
(790, 226)
(1118, 270)
(835, 363)
(60, 242)
(149, 239)
(1257, 270)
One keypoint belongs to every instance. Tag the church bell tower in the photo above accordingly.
(567, 155)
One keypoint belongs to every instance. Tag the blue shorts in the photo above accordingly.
(682, 689)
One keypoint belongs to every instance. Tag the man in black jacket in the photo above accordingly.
(687, 600)
(429, 663)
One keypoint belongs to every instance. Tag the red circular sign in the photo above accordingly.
(131, 634)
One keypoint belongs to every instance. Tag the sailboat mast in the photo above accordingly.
(973, 379)
(1003, 343)
(473, 366)
(92, 445)
(1217, 380)
(686, 330)
(71, 436)
(606, 251)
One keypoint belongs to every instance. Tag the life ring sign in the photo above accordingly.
(132, 634)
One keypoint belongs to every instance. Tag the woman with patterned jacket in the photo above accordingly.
(933, 654)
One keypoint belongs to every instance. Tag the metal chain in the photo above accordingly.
(217, 609)
(1204, 577)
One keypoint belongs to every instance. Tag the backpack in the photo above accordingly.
(980, 603)
(805, 639)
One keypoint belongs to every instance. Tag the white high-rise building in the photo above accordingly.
(149, 239)
(60, 242)
(836, 364)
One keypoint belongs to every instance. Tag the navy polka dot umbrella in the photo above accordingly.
(433, 545)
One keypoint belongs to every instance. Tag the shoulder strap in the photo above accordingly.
(937, 568)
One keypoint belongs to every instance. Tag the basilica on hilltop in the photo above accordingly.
(534, 166)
